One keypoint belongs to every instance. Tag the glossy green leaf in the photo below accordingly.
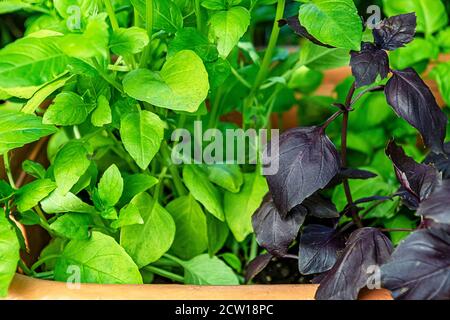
(146, 243)
(68, 109)
(97, 260)
(128, 41)
(191, 39)
(135, 184)
(9, 253)
(240, 207)
(28, 63)
(56, 202)
(336, 23)
(31, 194)
(18, 129)
(181, 85)
(142, 133)
(128, 216)
(102, 115)
(227, 28)
(70, 164)
(227, 176)
(110, 187)
(203, 191)
(73, 226)
(191, 237)
(206, 270)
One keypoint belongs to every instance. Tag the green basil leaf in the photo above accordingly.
(31, 194)
(102, 115)
(56, 202)
(135, 184)
(70, 164)
(227, 176)
(68, 109)
(320, 58)
(191, 39)
(110, 187)
(18, 129)
(9, 253)
(73, 226)
(34, 169)
(81, 259)
(191, 237)
(28, 63)
(128, 216)
(146, 243)
(167, 15)
(336, 23)
(218, 232)
(239, 207)
(181, 85)
(128, 41)
(203, 191)
(206, 270)
(431, 14)
(142, 133)
(228, 27)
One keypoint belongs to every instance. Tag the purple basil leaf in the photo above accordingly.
(441, 161)
(275, 233)
(420, 267)
(308, 161)
(320, 207)
(417, 179)
(368, 64)
(366, 247)
(412, 100)
(296, 26)
(256, 266)
(319, 248)
(395, 32)
(437, 206)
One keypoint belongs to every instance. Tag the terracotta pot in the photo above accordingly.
(26, 288)
(31, 289)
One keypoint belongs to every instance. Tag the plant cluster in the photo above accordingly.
(345, 255)
(108, 82)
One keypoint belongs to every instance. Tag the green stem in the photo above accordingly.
(181, 190)
(112, 15)
(253, 248)
(174, 259)
(165, 274)
(25, 268)
(149, 27)
(198, 15)
(44, 260)
(8, 171)
(215, 109)
(264, 70)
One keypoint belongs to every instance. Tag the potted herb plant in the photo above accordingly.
(111, 82)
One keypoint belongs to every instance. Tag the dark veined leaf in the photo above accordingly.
(417, 179)
(441, 161)
(308, 161)
(295, 24)
(256, 266)
(368, 64)
(412, 100)
(274, 232)
(395, 32)
(437, 206)
(319, 248)
(420, 267)
(365, 248)
(320, 207)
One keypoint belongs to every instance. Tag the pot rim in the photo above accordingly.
(27, 288)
